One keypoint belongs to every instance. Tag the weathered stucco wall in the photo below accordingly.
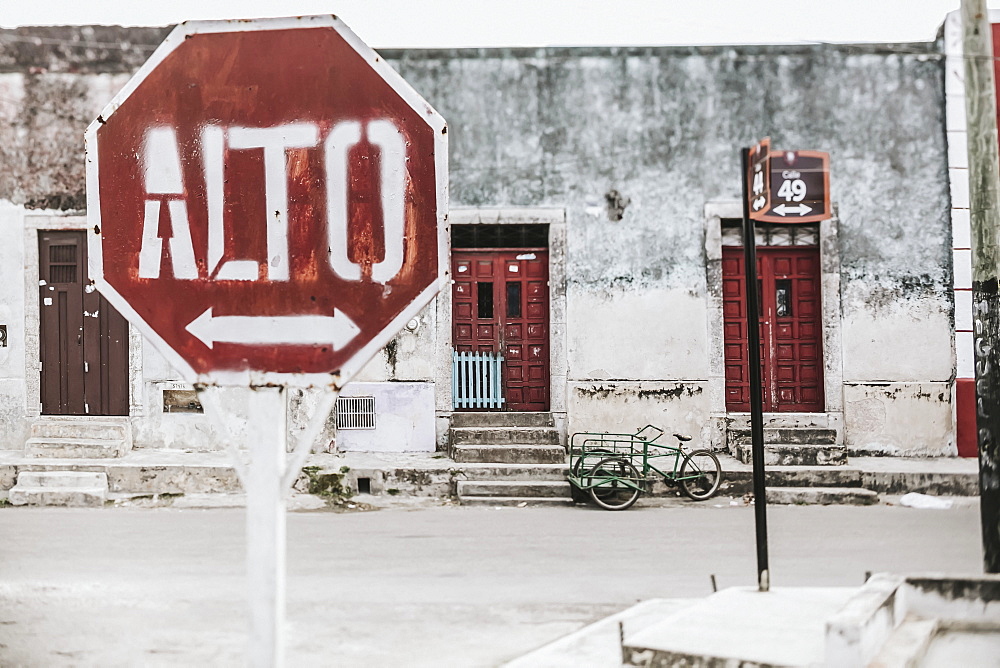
(13, 389)
(659, 130)
(631, 144)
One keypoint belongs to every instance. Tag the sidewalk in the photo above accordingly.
(395, 476)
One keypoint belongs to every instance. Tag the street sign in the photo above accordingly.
(267, 201)
(797, 186)
(759, 178)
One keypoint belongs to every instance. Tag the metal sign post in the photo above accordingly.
(294, 294)
(266, 535)
(756, 384)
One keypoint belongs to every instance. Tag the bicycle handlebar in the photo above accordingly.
(641, 433)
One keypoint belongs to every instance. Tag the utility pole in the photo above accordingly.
(984, 213)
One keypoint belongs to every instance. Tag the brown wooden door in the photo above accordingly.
(501, 304)
(83, 340)
(790, 329)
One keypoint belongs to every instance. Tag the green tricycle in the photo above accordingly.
(613, 468)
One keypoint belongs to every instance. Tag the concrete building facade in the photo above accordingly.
(615, 172)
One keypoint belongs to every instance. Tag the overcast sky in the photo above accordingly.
(459, 23)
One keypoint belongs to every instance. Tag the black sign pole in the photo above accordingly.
(756, 385)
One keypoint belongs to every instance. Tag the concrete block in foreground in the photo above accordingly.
(741, 626)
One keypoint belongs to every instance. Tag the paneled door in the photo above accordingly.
(500, 302)
(788, 284)
(83, 340)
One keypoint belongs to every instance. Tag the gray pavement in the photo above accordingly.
(435, 586)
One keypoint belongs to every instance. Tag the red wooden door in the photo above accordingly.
(788, 280)
(500, 303)
(84, 341)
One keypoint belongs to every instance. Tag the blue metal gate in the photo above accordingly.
(476, 380)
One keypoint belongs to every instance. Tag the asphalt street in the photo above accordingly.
(440, 586)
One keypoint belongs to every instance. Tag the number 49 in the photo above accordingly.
(793, 190)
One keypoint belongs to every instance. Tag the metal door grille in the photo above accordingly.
(475, 380)
(356, 413)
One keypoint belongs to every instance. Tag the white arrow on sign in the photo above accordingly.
(336, 330)
(799, 209)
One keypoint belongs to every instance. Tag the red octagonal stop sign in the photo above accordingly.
(267, 201)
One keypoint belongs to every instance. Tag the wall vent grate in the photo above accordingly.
(356, 412)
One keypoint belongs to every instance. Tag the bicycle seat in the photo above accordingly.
(682, 438)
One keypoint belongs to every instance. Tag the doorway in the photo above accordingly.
(83, 340)
(788, 284)
(500, 303)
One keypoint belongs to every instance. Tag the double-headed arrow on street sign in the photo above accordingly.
(307, 330)
(797, 210)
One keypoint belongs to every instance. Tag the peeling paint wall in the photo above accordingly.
(899, 418)
(674, 407)
(631, 143)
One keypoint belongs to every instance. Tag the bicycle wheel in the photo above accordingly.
(613, 493)
(581, 495)
(705, 465)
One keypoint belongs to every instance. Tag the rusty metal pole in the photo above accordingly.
(984, 213)
(756, 385)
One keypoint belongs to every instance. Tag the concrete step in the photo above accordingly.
(59, 488)
(485, 419)
(529, 472)
(504, 435)
(106, 428)
(789, 454)
(509, 454)
(785, 435)
(74, 448)
(513, 501)
(822, 496)
(54, 479)
(513, 488)
(741, 482)
(65, 496)
(908, 643)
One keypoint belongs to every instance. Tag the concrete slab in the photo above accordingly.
(552, 488)
(515, 501)
(73, 448)
(79, 497)
(782, 627)
(963, 648)
(62, 479)
(598, 645)
(854, 496)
